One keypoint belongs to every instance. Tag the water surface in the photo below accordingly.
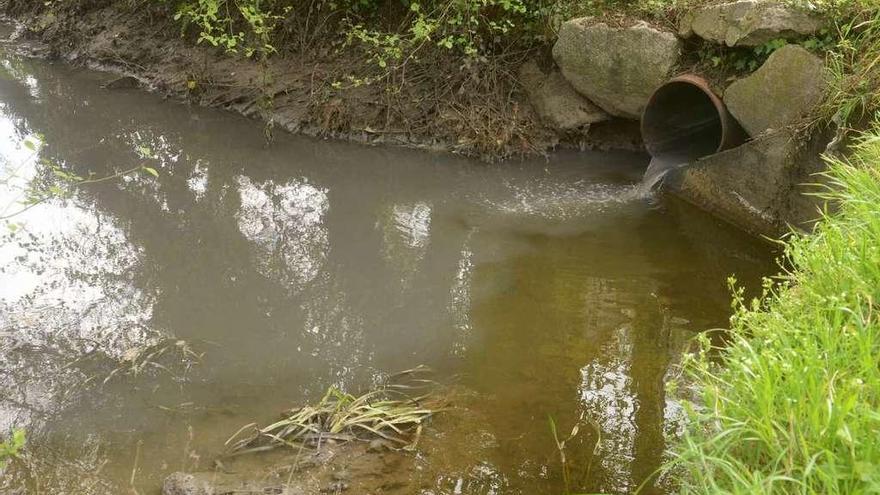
(268, 273)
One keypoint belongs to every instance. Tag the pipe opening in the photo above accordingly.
(684, 121)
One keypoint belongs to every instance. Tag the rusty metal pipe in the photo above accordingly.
(684, 120)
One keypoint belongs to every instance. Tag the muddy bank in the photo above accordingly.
(306, 92)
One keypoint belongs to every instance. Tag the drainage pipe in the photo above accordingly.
(684, 120)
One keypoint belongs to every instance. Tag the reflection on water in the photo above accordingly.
(144, 319)
(285, 225)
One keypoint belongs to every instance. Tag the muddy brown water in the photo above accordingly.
(545, 287)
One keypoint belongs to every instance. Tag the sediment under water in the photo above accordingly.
(545, 287)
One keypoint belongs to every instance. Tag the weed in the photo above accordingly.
(854, 66)
(565, 464)
(11, 447)
(793, 406)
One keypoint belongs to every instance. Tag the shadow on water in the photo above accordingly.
(542, 286)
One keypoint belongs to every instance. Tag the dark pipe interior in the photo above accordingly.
(681, 123)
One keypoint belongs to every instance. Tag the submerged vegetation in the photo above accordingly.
(570, 476)
(794, 406)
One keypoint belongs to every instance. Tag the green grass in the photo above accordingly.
(794, 404)
(854, 68)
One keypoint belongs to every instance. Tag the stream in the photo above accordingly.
(144, 319)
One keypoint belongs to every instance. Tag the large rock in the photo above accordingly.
(786, 88)
(616, 68)
(556, 102)
(759, 186)
(750, 22)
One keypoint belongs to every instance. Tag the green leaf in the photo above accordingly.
(152, 171)
(553, 428)
(11, 447)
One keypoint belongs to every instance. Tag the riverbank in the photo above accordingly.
(490, 88)
(793, 406)
(557, 76)
(479, 111)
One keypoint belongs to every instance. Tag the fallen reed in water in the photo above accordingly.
(386, 414)
(150, 356)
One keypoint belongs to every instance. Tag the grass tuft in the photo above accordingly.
(854, 68)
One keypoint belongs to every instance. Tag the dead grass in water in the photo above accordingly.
(389, 414)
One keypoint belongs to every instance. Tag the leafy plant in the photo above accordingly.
(56, 183)
(745, 60)
(236, 26)
(11, 447)
(465, 28)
